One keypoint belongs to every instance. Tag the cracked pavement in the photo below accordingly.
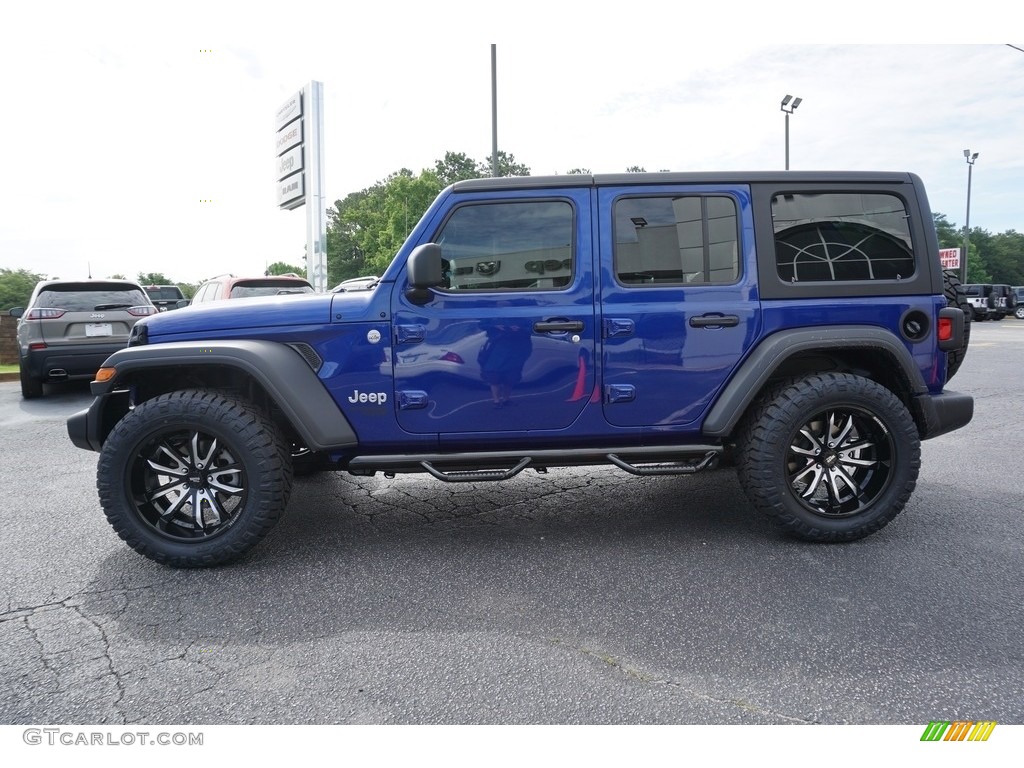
(576, 596)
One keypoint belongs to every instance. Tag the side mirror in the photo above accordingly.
(423, 270)
(181, 303)
(16, 311)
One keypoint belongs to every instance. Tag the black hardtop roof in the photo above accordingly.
(697, 177)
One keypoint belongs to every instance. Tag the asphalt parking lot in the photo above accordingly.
(579, 596)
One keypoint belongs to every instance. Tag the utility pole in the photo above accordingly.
(494, 109)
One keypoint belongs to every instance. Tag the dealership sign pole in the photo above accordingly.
(299, 165)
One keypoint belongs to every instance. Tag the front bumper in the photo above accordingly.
(88, 427)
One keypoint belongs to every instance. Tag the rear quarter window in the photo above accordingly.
(841, 237)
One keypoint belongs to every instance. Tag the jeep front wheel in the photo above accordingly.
(194, 478)
(831, 457)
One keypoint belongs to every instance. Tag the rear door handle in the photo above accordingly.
(714, 321)
(558, 326)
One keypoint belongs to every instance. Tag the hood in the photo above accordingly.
(219, 318)
(236, 314)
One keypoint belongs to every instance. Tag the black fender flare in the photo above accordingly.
(282, 372)
(770, 354)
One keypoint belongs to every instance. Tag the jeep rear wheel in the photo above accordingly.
(832, 457)
(955, 297)
(193, 478)
(1019, 312)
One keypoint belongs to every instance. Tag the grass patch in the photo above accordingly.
(9, 368)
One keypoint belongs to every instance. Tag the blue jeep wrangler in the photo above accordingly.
(795, 325)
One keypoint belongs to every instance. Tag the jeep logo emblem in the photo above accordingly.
(377, 398)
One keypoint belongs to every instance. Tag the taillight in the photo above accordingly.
(142, 311)
(945, 329)
(37, 345)
(44, 314)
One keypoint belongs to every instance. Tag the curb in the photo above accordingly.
(9, 376)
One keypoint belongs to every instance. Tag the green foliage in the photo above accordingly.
(118, 276)
(154, 278)
(1004, 256)
(188, 290)
(949, 236)
(507, 166)
(280, 268)
(366, 228)
(579, 172)
(636, 169)
(456, 166)
(16, 287)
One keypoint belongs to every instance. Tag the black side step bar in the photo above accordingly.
(476, 475)
(501, 465)
(669, 467)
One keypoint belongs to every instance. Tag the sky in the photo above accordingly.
(140, 138)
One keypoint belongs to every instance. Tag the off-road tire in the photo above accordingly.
(875, 443)
(194, 449)
(955, 297)
(30, 388)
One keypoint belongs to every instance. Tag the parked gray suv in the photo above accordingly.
(71, 326)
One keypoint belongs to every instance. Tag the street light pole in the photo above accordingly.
(786, 103)
(967, 225)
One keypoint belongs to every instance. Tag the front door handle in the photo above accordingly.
(714, 321)
(558, 326)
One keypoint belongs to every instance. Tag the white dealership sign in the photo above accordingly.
(299, 171)
(289, 163)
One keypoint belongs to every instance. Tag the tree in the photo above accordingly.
(366, 228)
(507, 166)
(579, 172)
(16, 287)
(456, 166)
(118, 276)
(1004, 257)
(636, 169)
(154, 278)
(280, 268)
(952, 237)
